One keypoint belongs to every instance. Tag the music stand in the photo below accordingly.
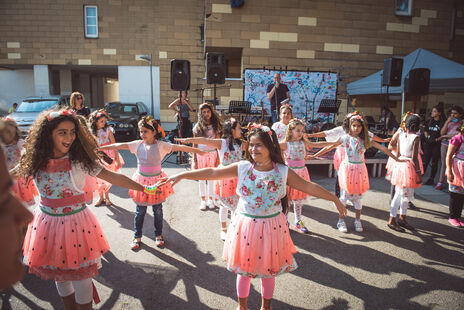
(329, 106)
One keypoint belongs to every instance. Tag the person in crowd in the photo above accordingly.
(281, 126)
(149, 151)
(278, 94)
(258, 243)
(455, 175)
(182, 108)
(13, 108)
(388, 119)
(230, 149)
(65, 242)
(76, 101)
(209, 125)
(405, 175)
(431, 142)
(14, 218)
(449, 129)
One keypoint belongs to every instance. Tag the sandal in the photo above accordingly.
(135, 245)
(405, 225)
(100, 203)
(159, 241)
(108, 202)
(395, 227)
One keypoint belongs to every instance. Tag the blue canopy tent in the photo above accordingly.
(445, 75)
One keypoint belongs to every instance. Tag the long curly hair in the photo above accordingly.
(271, 142)
(39, 145)
(227, 134)
(358, 117)
(216, 121)
(294, 122)
(94, 117)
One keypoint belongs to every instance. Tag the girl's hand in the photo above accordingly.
(341, 208)
(449, 175)
(172, 179)
(152, 190)
(182, 140)
(200, 152)
(310, 156)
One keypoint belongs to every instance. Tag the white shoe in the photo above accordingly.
(357, 226)
(211, 205)
(203, 205)
(342, 226)
(223, 235)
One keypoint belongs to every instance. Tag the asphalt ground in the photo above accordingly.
(375, 269)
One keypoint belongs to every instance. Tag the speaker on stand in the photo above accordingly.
(417, 83)
(215, 70)
(180, 80)
(392, 73)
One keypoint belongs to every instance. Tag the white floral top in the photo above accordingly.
(103, 136)
(260, 192)
(227, 156)
(353, 148)
(280, 130)
(13, 153)
(295, 150)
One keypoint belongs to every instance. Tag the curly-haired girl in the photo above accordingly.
(65, 242)
(209, 125)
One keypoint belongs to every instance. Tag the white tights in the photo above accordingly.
(202, 186)
(223, 211)
(297, 206)
(83, 290)
(400, 200)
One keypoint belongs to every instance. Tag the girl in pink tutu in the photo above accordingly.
(149, 151)
(209, 125)
(258, 243)
(65, 242)
(230, 151)
(104, 134)
(24, 188)
(352, 176)
(281, 126)
(405, 175)
(294, 148)
(455, 175)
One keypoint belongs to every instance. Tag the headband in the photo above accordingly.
(357, 117)
(262, 128)
(56, 114)
(149, 120)
(232, 120)
(101, 113)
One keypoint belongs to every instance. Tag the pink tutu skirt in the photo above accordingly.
(338, 158)
(226, 188)
(210, 159)
(458, 171)
(403, 174)
(353, 178)
(25, 189)
(292, 193)
(259, 247)
(142, 199)
(64, 248)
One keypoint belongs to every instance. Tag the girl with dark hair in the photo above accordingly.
(352, 176)
(431, 145)
(12, 144)
(230, 151)
(281, 126)
(258, 244)
(449, 129)
(209, 125)
(455, 175)
(149, 151)
(65, 242)
(406, 174)
(104, 135)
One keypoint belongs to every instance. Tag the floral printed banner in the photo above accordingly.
(307, 89)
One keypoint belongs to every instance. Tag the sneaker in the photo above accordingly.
(357, 226)
(300, 226)
(439, 186)
(211, 205)
(223, 235)
(135, 245)
(342, 226)
(203, 205)
(159, 241)
(455, 222)
(461, 222)
(412, 206)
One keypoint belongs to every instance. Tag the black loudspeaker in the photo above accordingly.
(418, 82)
(392, 71)
(215, 68)
(180, 74)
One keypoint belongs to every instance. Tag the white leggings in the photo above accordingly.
(400, 200)
(223, 212)
(297, 206)
(202, 185)
(83, 290)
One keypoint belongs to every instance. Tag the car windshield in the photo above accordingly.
(121, 108)
(36, 105)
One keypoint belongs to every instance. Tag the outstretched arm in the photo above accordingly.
(394, 141)
(228, 172)
(115, 146)
(319, 134)
(216, 143)
(384, 149)
(313, 189)
(324, 150)
(185, 148)
(310, 145)
(380, 140)
(119, 180)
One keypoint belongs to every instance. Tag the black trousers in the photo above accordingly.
(455, 205)
(431, 153)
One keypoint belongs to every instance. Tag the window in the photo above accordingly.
(91, 21)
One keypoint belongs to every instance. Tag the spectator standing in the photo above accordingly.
(276, 93)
